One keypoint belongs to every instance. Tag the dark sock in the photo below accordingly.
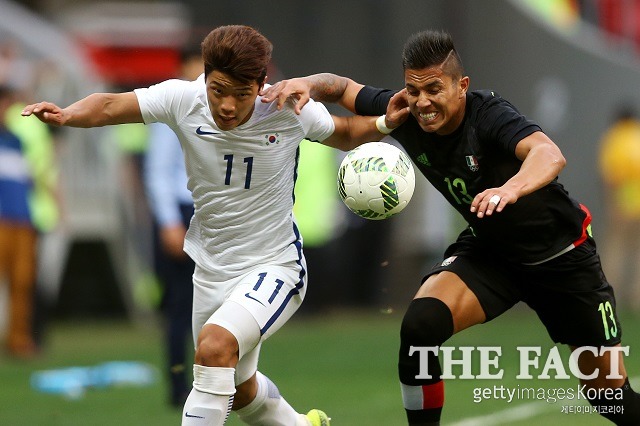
(427, 323)
(622, 412)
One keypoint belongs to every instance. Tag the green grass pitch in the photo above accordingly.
(343, 363)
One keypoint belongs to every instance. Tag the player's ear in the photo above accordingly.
(463, 86)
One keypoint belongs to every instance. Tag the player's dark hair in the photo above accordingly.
(429, 48)
(239, 51)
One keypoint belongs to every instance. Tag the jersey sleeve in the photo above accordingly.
(373, 101)
(164, 102)
(316, 121)
(502, 122)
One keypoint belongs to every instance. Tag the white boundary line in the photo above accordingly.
(518, 412)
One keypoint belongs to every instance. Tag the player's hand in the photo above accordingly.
(492, 200)
(46, 112)
(296, 88)
(172, 240)
(397, 110)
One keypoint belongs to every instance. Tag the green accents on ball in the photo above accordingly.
(389, 192)
(376, 164)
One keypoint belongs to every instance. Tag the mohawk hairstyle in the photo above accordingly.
(430, 48)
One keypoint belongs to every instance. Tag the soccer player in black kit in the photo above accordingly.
(527, 239)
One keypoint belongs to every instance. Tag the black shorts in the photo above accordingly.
(569, 293)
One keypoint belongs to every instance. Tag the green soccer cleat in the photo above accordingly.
(318, 418)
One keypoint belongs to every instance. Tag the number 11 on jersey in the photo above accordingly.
(247, 180)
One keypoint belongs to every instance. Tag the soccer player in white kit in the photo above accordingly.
(241, 157)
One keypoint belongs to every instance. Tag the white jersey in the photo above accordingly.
(241, 180)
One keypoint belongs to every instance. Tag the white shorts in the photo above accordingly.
(251, 307)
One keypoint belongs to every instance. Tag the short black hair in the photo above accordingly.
(429, 48)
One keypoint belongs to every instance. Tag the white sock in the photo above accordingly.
(269, 408)
(211, 398)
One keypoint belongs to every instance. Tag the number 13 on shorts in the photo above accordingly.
(608, 320)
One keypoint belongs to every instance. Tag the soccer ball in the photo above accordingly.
(376, 180)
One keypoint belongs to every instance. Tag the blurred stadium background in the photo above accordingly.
(557, 60)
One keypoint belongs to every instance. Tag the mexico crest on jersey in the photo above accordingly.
(472, 162)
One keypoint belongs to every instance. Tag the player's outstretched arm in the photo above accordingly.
(353, 131)
(98, 109)
(324, 87)
(542, 162)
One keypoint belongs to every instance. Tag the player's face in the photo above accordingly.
(436, 100)
(231, 102)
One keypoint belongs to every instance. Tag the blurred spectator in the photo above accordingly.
(17, 235)
(16, 71)
(620, 171)
(172, 207)
(19, 72)
(44, 201)
(27, 207)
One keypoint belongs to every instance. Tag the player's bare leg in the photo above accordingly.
(257, 400)
(211, 398)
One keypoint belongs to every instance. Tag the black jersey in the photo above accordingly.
(480, 154)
